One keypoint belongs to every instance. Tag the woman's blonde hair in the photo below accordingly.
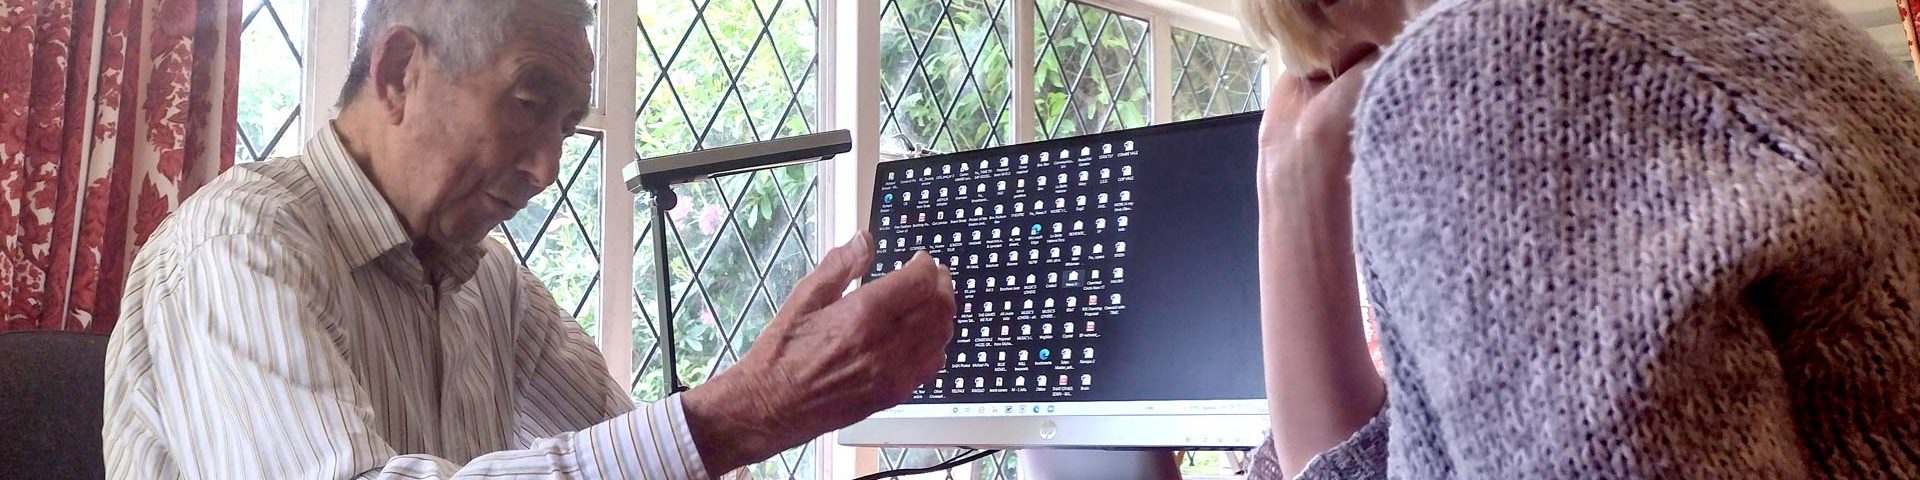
(1294, 32)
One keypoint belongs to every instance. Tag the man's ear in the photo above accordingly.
(398, 57)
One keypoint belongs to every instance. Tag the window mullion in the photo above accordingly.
(329, 52)
(1025, 64)
(619, 32)
(1161, 64)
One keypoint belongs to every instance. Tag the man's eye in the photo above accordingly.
(531, 103)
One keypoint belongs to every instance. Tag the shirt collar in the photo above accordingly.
(365, 227)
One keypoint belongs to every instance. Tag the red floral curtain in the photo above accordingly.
(1909, 22)
(111, 113)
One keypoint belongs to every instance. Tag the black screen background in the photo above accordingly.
(1189, 328)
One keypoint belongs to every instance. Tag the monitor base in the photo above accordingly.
(1065, 464)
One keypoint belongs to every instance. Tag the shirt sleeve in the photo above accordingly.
(566, 386)
(262, 388)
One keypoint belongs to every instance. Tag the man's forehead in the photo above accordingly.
(546, 36)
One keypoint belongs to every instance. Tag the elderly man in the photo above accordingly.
(342, 315)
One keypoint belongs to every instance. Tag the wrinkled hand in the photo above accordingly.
(827, 361)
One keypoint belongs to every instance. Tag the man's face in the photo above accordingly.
(476, 148)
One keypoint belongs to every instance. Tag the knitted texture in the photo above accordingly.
(1640, 239)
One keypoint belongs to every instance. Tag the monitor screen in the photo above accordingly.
(1105, 276)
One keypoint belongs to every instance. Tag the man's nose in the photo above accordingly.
(542, 165)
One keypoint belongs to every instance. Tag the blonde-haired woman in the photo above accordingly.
(1605, 239)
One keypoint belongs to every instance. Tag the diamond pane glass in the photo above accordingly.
(1093, 72)
(944, 74)
(272, 74)
(713, 73)
(1215, 77)
(557, 236)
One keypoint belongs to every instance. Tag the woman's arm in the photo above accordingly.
(1321, 384)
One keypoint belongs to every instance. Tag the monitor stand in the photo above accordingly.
(1063, 464)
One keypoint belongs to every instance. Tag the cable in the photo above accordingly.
(966, 457)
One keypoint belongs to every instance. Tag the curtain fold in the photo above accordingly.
(1908, 22)
(111, 113)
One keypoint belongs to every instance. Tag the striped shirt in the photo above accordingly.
(279, 325)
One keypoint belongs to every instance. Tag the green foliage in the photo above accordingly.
(1092, 72)
(949, 69)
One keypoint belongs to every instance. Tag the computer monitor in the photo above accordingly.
(1106, 287)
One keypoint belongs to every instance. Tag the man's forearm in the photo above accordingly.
(1321, 386)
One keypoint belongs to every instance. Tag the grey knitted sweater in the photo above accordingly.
(1639, 239)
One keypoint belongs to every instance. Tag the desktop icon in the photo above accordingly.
(1045, 353)
(1126, 170)
(1036, 229)
(1106, 148)
(1128, 145)
(1106, 173)
(1065, 153)
(1086, 151)
(889, 198)
(999, 381)
(1040, 380)
(1086, 353)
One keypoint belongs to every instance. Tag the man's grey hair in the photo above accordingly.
(463, 34)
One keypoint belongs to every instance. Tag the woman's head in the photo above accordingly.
(1313, 37)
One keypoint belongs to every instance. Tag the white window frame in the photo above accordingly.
(850, 96)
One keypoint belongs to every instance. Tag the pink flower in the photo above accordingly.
(680, 210)
(710, 218)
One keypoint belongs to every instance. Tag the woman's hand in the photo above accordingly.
(1321, 385)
